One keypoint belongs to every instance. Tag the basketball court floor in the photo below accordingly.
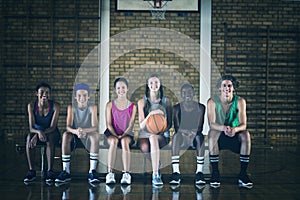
(274, 171)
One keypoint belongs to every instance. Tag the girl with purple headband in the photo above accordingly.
(82, 130)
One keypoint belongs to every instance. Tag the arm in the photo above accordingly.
(38, 133)
(176, 117)
(31, 119)
(143, 119)
(211, 114)
(169, 114)
(108, 118)
(242, 117)
(54, 120)
(131, 122)
(201, 119)
(70, 121)
(141, 114)
(94, 121)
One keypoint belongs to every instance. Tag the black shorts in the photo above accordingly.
(107, 133)
(230, 143)
(56, 138)
(201, 137)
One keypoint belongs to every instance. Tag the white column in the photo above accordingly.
(205, 55)
(104, 25)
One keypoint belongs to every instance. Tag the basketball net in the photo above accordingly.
(158, 9)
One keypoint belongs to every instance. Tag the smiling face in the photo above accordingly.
(121, 89)
(82, 97)
(187, 94)
(227, 89)
(43, 94)
(154, 84)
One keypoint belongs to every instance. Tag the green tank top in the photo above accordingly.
(231, 118)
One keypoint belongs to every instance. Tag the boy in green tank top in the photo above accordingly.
(228, 129)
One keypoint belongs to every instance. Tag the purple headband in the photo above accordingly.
(82, 86)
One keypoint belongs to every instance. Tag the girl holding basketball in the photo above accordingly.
(154, 102)
(120, 115)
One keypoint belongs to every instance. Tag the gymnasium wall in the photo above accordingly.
(257, 41)
(42, 40)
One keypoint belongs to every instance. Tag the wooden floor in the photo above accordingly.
(274, 171)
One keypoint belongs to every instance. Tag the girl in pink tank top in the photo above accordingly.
(120, 115)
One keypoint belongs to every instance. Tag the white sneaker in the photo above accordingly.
(126, 179)
(110, 178)
(126, 189)
(110, 189)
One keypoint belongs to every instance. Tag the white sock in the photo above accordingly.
(66, 162)
(93, 161)
(175, 164)
(200, 164)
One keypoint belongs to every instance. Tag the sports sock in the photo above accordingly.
(244, 159)
(66, 162)
(175, 164)
(200, 164)
(214, 160)
(93, 161)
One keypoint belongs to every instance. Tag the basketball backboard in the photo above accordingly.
(144, 5)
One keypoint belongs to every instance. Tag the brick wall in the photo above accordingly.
(141, 45)
(51, 42)
(258, 41)
(43, 41)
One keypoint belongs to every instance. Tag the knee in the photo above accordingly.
(94, 137)
(153, 138)
(67, 137)
(176, 137)
(245, 137)
(28, 138)
(199, 139)
(144, 147)
(213, 135)
(125, 143)
(112, 141)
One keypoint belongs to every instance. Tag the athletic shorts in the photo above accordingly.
(79, 143)
(194, 142)
(56, 138)
(107, 133)
(162, 142)
(230, 143)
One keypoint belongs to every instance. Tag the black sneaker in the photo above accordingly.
(30, 176)
(244, 181)
(199, 188)
(50, 176)
(93, 177)
(175, 179)
(215, 179)
(199, 179)
(63, 177)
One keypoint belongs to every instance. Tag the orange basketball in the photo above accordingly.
(156, 124)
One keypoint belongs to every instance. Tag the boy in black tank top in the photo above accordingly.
(188, 119)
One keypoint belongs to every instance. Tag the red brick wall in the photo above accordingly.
(50, 43)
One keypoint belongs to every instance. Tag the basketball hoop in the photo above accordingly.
(158, 9)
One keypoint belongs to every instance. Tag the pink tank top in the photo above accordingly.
(121, 118)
